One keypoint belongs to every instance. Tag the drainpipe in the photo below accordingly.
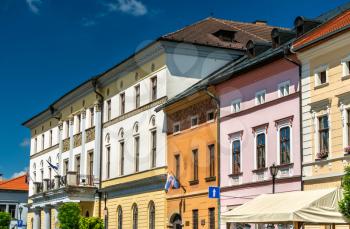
(95, 85)
(217, 101)
(300, 117)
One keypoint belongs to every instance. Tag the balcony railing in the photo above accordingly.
(71, 179)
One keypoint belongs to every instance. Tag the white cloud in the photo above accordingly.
(25, 142)
(133, 7)
(34, 5)
(20, 173)
(88, 22)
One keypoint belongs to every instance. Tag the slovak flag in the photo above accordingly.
(171, 182)
(52, 166)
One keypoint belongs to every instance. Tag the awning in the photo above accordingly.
(318, 206)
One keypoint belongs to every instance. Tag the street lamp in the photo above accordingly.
(273, 172)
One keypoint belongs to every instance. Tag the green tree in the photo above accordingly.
(344, 204)
(5, 220)
(91, 223)
(69, 216)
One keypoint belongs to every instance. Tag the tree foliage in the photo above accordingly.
(5, 220)
(69, 216)
(90, 223)
(344, 204)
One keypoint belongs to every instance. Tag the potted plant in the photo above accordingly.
(347, 149)
(322, 154)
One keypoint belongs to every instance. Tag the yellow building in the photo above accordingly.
(325, 56)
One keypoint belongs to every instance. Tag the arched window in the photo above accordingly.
(151, 215)
(135, 216)
(120, 217)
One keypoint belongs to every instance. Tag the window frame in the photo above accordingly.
(122, 103)
(108, 162)
(109, 110)
(177, 158)
(208, 113)
(211, 154)
(320, 131)
(346, 66)
(153, 155)
(232, 170)
(120, 217)
(284, 85)
(151, 215)
(195, 219)
(92, 117)
(317, 75)
(135, 216)
(137, 96)
(195, 156)
(257, 133)
(174, 125)
(262, 94)
(211, 218)
(194, 117)
(279, 153)
(154, 88)
(121, 157)
(137, 153)
(236, 105)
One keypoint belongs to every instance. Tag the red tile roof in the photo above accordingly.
(323, 31)
(202, 33)
(17, 184)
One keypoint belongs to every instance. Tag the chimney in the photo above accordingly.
(260, 22)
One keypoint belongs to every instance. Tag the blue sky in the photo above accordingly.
(47, 47)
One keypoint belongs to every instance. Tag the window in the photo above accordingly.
(121, 158)
(154, 148)
(137, 96)
(283, 89)
(195, 219)
(65, 167)
(42, 142)
(324, 134)
(2, 208)
(135, 216)
(260, 97)
(236, 106)
(236, 157)
(284, 145)
(50, 138)
(92, 117)
(195, 164)
(122, 103)
(154, 88)
(78, 124)
(108, 162)
(211, 218)
(12, 211)
(109, 110)
(211, 149)
(346, 67)
(194, 121)
(120, 217)
(77, 164)
(67, 129)
(210, 116)
(152, 215)
(35, 145)
(177, 166)
(176, 127)
(321, 75)
(260, 150)
(137, 154)
(91, 163)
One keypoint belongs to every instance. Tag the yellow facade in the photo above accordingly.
(330, 99)
(135, 195)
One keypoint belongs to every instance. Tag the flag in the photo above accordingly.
(171, 182)
(52, 166)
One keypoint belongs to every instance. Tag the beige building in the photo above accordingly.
(324, 53)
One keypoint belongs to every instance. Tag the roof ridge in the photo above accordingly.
(225, 22)
(185, 27)
(251, 23)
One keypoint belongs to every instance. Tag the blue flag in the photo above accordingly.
(52, 166)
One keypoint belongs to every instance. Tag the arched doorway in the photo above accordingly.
(176, 221)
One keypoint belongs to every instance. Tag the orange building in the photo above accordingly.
(192, 159)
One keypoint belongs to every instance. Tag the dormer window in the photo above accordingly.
(225, 35)
(276, 40)
(250, 49)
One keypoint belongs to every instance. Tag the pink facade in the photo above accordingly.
(243, 124)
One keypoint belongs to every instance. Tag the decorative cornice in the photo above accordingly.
(135, 112)
(44, 151)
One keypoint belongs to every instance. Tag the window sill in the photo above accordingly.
(210, 179)
(321, 86)
(235, 174)
(259, 170)
(345, 77)
(176, 133)
(321, 159)
(193, 182)
(285, 165)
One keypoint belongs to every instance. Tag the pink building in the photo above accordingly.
(260, 126)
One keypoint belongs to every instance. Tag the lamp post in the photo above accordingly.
(273, 172)
(20, 212)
